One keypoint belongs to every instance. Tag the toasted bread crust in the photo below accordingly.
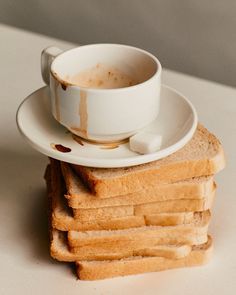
(202, 156)
(80, 197)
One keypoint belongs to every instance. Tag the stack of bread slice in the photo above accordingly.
(150, 217)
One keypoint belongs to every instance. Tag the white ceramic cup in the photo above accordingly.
(103, 115)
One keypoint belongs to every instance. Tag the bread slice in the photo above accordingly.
(203, 155)
(97, 270)
(118, 211)
(103, 213)
(173, 218)
(173, 206)
(133, 245)
(195, 233)
(80, 197)
(60, 251)
(62, 217)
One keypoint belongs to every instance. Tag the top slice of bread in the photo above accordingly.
(203, 155)
(79, 196)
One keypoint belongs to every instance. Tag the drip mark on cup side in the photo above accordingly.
(57, 103)
(63, 86)
(83, 114)
(64, 83)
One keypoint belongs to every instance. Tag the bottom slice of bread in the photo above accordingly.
(97, 270)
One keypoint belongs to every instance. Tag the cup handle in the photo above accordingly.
(47, 56)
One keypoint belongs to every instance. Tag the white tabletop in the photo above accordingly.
(25, 265)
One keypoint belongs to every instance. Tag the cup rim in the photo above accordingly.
(88, 89)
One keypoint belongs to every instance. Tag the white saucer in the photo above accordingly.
(176, 122)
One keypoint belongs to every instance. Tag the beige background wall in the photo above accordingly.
(193, 36)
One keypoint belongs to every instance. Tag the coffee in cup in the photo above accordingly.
(103, 77)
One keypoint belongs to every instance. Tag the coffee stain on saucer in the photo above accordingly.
(77, 139)
(113, 145)
(60, 148)
(110, 147)
(102, 145)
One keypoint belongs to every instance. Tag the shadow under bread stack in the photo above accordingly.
(150, 217)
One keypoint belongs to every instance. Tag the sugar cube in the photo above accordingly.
(145, 143)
